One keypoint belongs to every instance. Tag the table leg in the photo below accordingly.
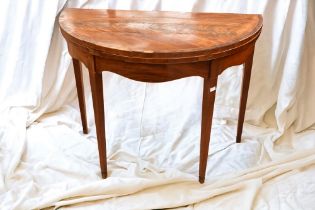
(206, 123)
(98, 105)
(80, 91)
(244, 94)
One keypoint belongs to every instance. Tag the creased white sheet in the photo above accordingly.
(153, 130)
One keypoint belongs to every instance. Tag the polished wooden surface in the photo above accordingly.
(151, 36)
(158, 47)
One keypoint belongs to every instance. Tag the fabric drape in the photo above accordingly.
(153, 130)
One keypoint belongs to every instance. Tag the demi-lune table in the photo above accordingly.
(156, 46)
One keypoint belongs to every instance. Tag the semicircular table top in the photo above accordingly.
(156, 34)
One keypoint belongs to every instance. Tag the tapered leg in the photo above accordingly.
(206, 123)
(80, 91)
(243, 99)
(98, 104)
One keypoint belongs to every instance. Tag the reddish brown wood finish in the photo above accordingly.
(159, 47)
(244, 93)
(208, 99)
(96, 82)
(80, 91)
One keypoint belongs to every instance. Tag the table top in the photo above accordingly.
(158, 34)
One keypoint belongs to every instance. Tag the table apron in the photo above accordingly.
(155, 73)
(152, 72)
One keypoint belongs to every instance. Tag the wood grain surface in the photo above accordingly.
(152, 35)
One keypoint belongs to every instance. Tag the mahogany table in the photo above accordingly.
(158, 47)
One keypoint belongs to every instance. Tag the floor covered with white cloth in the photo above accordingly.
(153, 130)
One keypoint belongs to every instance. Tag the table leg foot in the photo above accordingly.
(238, 139)
(104, 175)
(201, 179)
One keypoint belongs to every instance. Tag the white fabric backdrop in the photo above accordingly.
(152, 139)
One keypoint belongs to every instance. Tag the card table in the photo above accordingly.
(159, 46)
